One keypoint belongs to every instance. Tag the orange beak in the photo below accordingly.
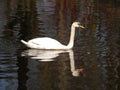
(81, 69)
(82, 27)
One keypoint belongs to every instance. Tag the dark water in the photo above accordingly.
(93, 64)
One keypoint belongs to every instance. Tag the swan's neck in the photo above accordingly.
(72, 35)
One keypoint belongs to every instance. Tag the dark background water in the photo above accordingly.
(96, 48)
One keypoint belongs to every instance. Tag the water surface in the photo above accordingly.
(93, 64)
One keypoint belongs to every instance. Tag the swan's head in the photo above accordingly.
(77, 24)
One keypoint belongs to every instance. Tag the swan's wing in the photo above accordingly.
(46, 42)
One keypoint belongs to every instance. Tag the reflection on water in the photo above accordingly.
(95, 54)
(50, 55)
(43, 55)
(57, 73)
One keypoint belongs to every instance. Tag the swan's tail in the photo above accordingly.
(24, 42)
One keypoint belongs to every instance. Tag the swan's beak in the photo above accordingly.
(82, 27)
(81, 69)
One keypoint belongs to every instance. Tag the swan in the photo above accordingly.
(49, 43)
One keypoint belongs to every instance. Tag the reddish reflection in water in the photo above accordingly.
(96, 49)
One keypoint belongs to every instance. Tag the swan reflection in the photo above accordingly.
(49, 55)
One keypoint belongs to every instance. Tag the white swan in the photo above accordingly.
(49, 43)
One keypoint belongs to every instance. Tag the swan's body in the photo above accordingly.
(49, 43)
(44, 43)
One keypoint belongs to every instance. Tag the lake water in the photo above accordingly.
(93, 63)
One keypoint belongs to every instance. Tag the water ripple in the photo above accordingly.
(8, 66)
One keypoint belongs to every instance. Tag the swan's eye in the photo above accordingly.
(79, 24)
